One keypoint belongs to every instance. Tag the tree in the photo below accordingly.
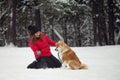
(117, 21)
(94, 5)
(37, 15)
(13, 21)
(111, 20)
(102, 30)
(10, 31)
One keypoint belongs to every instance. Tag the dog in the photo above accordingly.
(68, 57)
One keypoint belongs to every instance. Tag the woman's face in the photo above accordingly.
(37, 34)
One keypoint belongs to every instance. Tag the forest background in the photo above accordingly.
(77, 22)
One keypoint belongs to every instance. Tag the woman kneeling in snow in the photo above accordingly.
(40, 44)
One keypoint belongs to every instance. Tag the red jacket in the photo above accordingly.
(42, 46)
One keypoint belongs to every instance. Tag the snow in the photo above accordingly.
(63, 1)
(103, 64)
(118, 20)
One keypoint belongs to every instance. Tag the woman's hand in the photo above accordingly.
(38, 52)
(56, 44)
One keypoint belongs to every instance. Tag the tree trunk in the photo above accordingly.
(78, 32)
(99, 22)
(64, 26)
(94, 6)
(111, 22)
(13, 31)
(102, 24)
(37, 19)
(37, 15)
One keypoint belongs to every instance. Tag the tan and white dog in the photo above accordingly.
(68, 57)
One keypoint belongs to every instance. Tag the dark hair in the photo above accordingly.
(34, 39)
(32, 29)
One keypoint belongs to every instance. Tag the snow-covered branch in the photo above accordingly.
(57, 33)
(3, 14)
(85, 21)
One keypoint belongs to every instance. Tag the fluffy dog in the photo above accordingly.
(68, 57)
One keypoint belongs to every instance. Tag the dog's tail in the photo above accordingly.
(83, 66)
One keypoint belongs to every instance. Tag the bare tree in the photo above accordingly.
(13, 24)
(111, 21)
(37, 15)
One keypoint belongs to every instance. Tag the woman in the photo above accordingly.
(40, 44)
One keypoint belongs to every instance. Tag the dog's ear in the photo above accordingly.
(58, 41)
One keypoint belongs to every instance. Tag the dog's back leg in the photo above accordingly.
(74, 65)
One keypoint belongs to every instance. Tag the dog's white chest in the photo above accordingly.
(60, 55)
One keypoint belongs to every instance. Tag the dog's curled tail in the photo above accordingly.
(83, 66)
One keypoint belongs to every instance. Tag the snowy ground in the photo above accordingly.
(103, 64)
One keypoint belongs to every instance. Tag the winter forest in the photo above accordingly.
(77, 22)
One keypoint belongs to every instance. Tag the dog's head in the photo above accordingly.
(59, 46)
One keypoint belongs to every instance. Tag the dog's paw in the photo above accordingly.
(64, 65)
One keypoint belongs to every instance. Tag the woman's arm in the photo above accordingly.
(50, 41)
(35, 49)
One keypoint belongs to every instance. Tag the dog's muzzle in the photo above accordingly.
(56, 49)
